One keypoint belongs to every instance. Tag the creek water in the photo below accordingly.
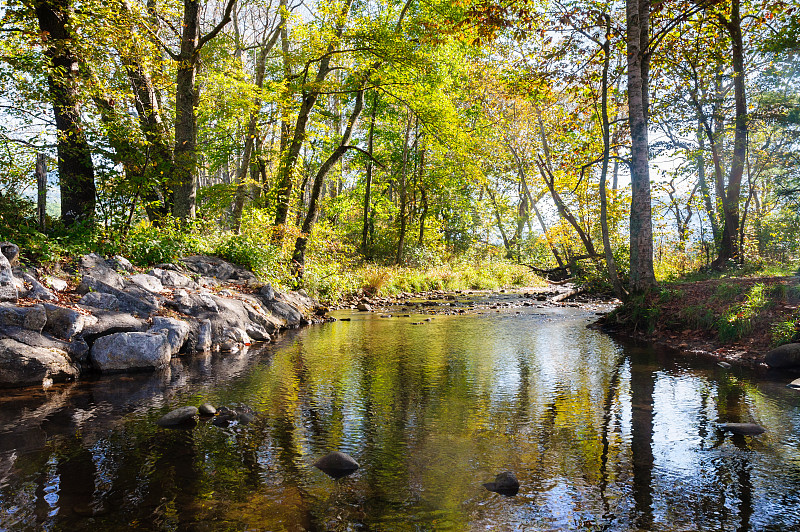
(601, 435)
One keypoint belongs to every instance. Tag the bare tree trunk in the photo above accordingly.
(641, 224)
(75, 167)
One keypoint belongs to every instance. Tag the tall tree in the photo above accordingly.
(641, 224)
(75, 167)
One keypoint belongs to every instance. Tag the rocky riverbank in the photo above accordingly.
(105, 315)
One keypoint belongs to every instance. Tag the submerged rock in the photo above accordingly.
(337, 464)
(743, 428)
(505, 483)
(184, 415)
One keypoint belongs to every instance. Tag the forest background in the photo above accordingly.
(378, 146)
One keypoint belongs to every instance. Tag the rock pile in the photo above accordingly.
(119, 319)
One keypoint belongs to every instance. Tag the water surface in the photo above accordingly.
(601, 436)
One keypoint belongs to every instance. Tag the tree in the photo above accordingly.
(75, 166)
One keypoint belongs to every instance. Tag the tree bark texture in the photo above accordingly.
(75, 166)
(641, 224)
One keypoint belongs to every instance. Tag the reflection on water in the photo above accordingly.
(600, 436)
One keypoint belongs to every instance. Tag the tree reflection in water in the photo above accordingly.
(600, 436)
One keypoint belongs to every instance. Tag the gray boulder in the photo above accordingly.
(64, 322)
(130, 350)
(77, 348)
(100, 300)
(32, 318)
(150, 283)
(206, 409)
(172, 278)
(118, 262)
(784, 357)
(21, 364)
(177, 332)
(97, 267)
(37, 291)
(11, 252)
(104, 322)
(132, 299)
(59, 285)
(180, 416)
(204, 338)
(267, 292)
(8, 288)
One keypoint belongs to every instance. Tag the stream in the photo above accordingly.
(601, 434)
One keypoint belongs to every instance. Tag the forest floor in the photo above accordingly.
(734, 319)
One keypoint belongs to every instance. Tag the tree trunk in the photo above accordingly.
(368, 184)
(298, 257)
(75, 167)
(641, 224)
(401, 237)
(289, 158)
(729, 247)
(41, 189)
(249, 142)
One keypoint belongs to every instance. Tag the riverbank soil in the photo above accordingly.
(734, 319)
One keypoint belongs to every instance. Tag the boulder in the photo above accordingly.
(337, 464)
(59, 285)
(743, 428)
(63, 322)
(784, 357)
(105, 322)
(132, 299)
(204, 339)
(130, 350)
(96, 266)
(794, 384)
(11, 252)
(184, 415)
(177, 332)
(267, 292)
(22, 364)
(77, 348)
(241, 415)
(150, 283)
(37, 291)
(120, 263)
(32, 318)
(219, 268)
(100, 300)
(364, 307)
(207, 409)
(172, 278)
(505, 483)
(8, 288)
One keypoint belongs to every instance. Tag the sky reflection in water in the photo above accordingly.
(601, 436)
